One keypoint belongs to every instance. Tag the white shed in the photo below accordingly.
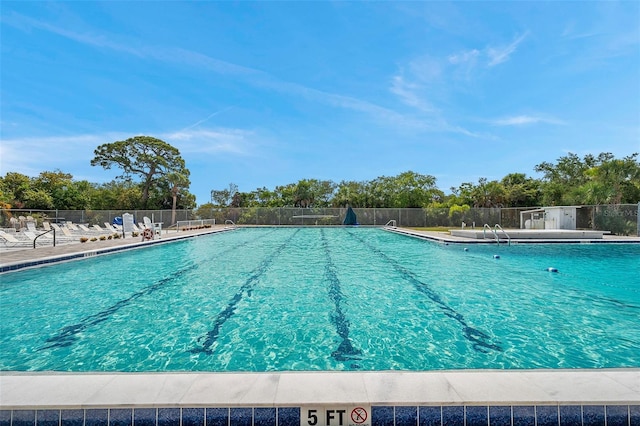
(560, 217)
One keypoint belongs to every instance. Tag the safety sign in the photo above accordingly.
(356, 415)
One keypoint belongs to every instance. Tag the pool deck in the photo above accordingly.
(59, 391)
(19, 258)
(522, 236)
(20, 391)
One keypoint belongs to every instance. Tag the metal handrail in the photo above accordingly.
(392, 222)
(45, 232)
(229, 221)
(503, 231)
(484, 233)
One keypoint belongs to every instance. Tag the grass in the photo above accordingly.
(433, 228)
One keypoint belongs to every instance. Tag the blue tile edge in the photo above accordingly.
(405, 415)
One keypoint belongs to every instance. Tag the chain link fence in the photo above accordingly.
(618, 219)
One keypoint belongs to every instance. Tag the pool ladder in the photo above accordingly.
(392, 223)
(495, 230)
(230, 222)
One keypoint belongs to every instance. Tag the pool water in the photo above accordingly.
(275, 299)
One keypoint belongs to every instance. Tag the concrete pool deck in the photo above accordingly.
(388, 388)
(27, 392)
(517, 237)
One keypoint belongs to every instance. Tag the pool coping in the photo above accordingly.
(445, 238)
(20, 391)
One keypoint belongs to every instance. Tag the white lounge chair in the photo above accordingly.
(9, 240)
(47, 239)
(62, 229)
(84, 228)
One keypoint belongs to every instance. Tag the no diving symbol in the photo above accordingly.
(359, 415)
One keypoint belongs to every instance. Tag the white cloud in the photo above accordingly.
(498, 55)
(409, 93)
(464, 57)
(213, 141)
(32, 155)
(520, 120)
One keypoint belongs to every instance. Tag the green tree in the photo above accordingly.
(520, 191)
(37, 199)
(350, 193)
(590, 180)
(66, 193)
(13, 187)
(223, 197)
(151, 159)
(116, 195)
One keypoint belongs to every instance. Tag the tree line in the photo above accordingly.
(572, 180)
(154, 176)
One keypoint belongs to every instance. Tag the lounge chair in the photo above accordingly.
(31, 226)
(63, 229)
(46, 225)
(84, 228)
(71, 226)
(45, 240)
(9, 240)
(109, 227)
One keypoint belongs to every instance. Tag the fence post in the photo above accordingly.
(638, 230)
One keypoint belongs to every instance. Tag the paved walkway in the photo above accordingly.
(17, 256)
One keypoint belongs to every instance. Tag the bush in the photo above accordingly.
(83, 239)
(103, 237)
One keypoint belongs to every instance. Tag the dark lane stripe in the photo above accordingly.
(481, 342)
(212, 336)
(345, 351)
(68, 335)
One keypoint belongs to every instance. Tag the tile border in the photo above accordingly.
(461, 415)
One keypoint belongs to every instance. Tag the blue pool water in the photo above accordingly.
(317, 298)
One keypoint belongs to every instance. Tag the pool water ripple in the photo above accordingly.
(328, 299)
(481, 341)
(345, 351)
(66, 336)
(247, 288)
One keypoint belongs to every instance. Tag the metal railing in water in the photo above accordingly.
(494, 231)
(484, 232)
(392, 222)
(498, 227)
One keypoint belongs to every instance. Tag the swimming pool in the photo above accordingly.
(273, 299)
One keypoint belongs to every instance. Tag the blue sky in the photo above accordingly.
(268, 93)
